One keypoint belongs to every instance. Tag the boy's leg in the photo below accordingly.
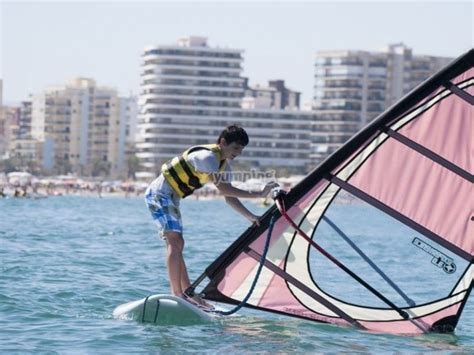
(174, 261)
(185, 283)
(178, 274)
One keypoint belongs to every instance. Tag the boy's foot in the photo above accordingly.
(202, 302)
(198, 302)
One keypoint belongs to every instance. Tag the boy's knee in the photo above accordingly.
(175, 241)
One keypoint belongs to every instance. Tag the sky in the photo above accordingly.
(49, 43)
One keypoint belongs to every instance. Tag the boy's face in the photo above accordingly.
(232, 150)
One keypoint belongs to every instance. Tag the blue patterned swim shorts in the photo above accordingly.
(164, 210)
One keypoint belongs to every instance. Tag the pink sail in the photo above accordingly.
(380, 236)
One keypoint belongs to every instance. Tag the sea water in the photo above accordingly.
(67, 262)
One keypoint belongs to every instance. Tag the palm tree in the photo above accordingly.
(100, 167)
(133, 164)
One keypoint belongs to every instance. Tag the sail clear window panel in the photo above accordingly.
(399, 262)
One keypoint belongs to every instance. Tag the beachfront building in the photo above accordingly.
(2, 123)
(15, 131)
(82, 128)
(24, 122)
(15, 135)
(276, 95)
(9, 127)
(180, 84)
(27, 149)
(353, 87)
(327, 135)
(191, 91)
(405, 71)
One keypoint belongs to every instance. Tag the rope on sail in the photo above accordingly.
(257, 275)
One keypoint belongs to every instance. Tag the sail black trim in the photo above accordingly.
(468, 291)
(464, 301)
(418, 318)
(398, 216)
(462, 276)
(459, 92)
(287, 277)
(213, 294)
(429, 154)
(225, 299)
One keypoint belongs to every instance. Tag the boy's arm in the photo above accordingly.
(228, 190)
(239, 207)
(231, 193)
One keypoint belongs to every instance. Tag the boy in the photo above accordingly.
(179, 178)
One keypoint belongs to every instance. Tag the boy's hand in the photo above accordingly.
(268, 187)
(254, 219)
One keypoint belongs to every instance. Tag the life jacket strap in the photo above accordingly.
(193, 179)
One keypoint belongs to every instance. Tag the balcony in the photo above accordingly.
(166, 67)
(198, 52)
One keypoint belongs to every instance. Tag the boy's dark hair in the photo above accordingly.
(235, 134)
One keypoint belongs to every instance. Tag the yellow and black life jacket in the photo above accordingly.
(181, 175)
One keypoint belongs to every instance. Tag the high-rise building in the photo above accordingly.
(24, 124)
(20, 143)
(181, 83)
(9, 124)
(405, 70)
(83, 127)
(9, 127)
(354, 87)
(191, 91)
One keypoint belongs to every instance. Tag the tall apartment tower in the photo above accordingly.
(350, 85)
(24, 130)
(354, 87)
(182, 83)
(190, 92)
(405, 71)
(349, 91)
(9, 127)
(81, 127)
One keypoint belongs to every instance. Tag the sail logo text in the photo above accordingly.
(439, 259)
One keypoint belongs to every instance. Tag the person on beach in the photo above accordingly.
(183, 175)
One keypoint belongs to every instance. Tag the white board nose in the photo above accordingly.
(162, 309)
